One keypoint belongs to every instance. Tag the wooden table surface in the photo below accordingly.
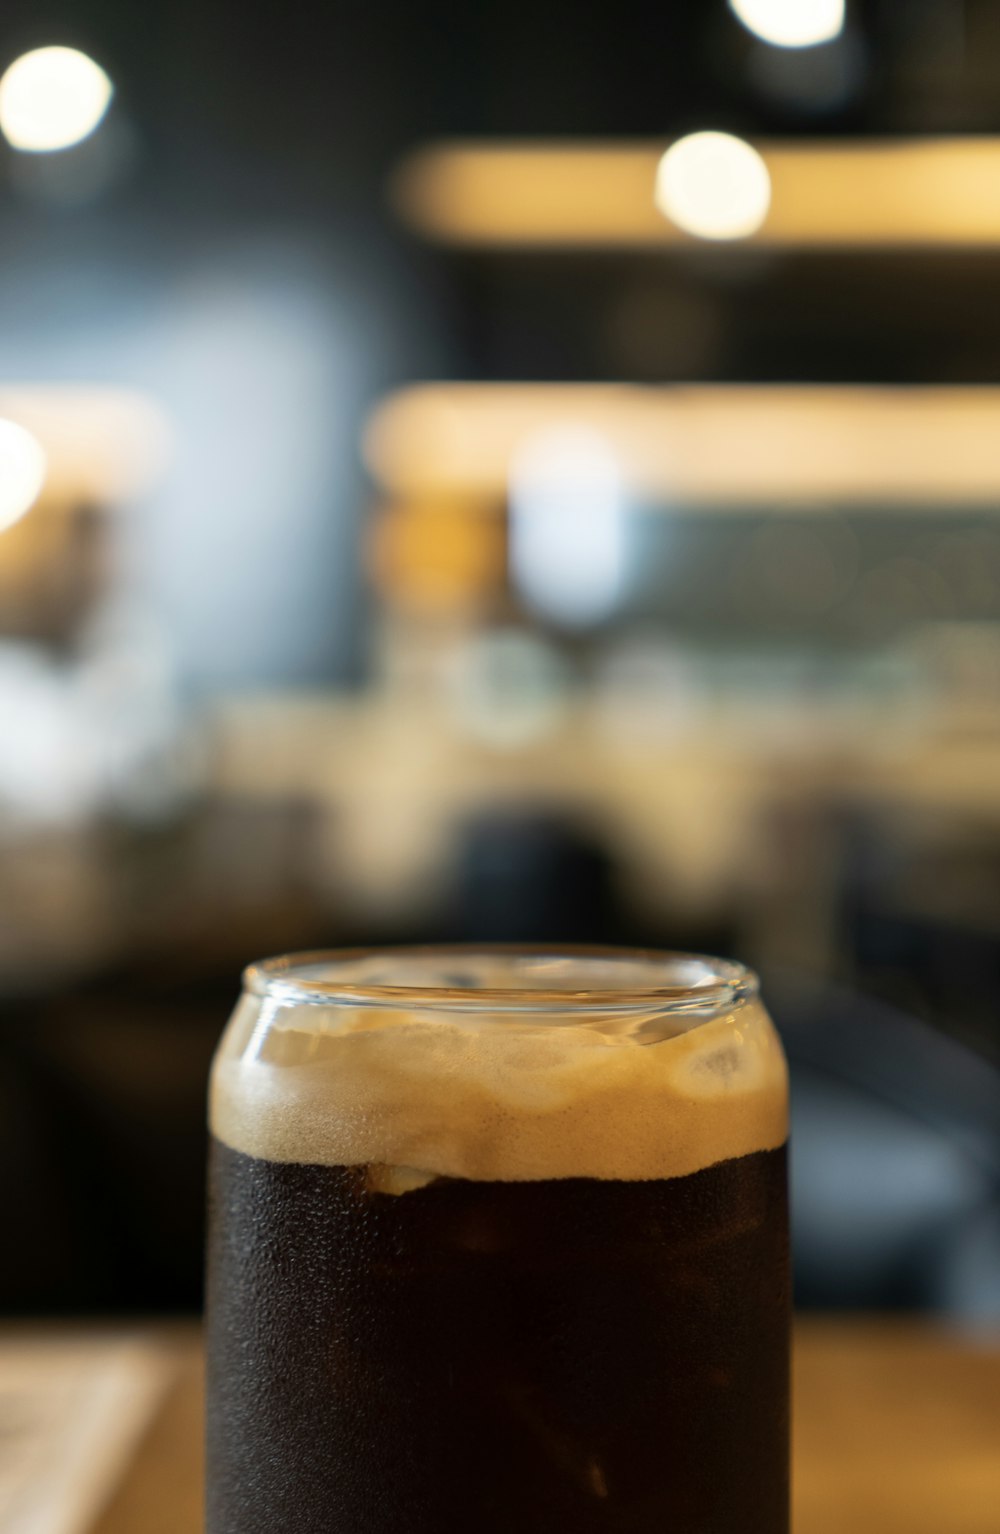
(897, 1431)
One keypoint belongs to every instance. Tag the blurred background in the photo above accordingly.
(487, 472)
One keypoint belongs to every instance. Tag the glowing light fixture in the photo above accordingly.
(52, 98)
(22, 472)
(792, 23)
(927, 193)
(810, 445)
(104, 446)
(567, 524)
(713, 186)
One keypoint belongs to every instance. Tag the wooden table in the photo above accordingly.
(897, 1431)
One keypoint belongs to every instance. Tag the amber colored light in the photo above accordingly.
(728, 446)
(906, 192)
(436, 555)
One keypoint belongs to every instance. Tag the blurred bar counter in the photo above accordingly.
(327, 817)
(683, 790)
(895, 1432)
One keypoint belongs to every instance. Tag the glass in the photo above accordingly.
(498, 1245)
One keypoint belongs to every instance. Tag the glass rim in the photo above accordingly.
(709, 984)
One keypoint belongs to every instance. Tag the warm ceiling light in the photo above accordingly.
(792, 23)
(22, 472)
(52, 98)
(929, 193)
(727, 447)
(714, 186)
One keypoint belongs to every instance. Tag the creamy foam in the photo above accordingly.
(421, 1094)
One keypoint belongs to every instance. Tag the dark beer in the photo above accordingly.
(398, 1349)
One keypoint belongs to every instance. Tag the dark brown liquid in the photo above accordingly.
(497, 1358)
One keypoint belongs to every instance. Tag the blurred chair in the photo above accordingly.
(895, 1157)
(532, 876)
(917, 904)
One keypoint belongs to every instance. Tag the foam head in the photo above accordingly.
(506, 1066)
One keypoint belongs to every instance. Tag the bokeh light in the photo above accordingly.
(507, 688)
(22, 472)
(792, 23)
(567, 525)
(437, 556)
(714, 186)
(52, 98)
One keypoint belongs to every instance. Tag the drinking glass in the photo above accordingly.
(498, 1245)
